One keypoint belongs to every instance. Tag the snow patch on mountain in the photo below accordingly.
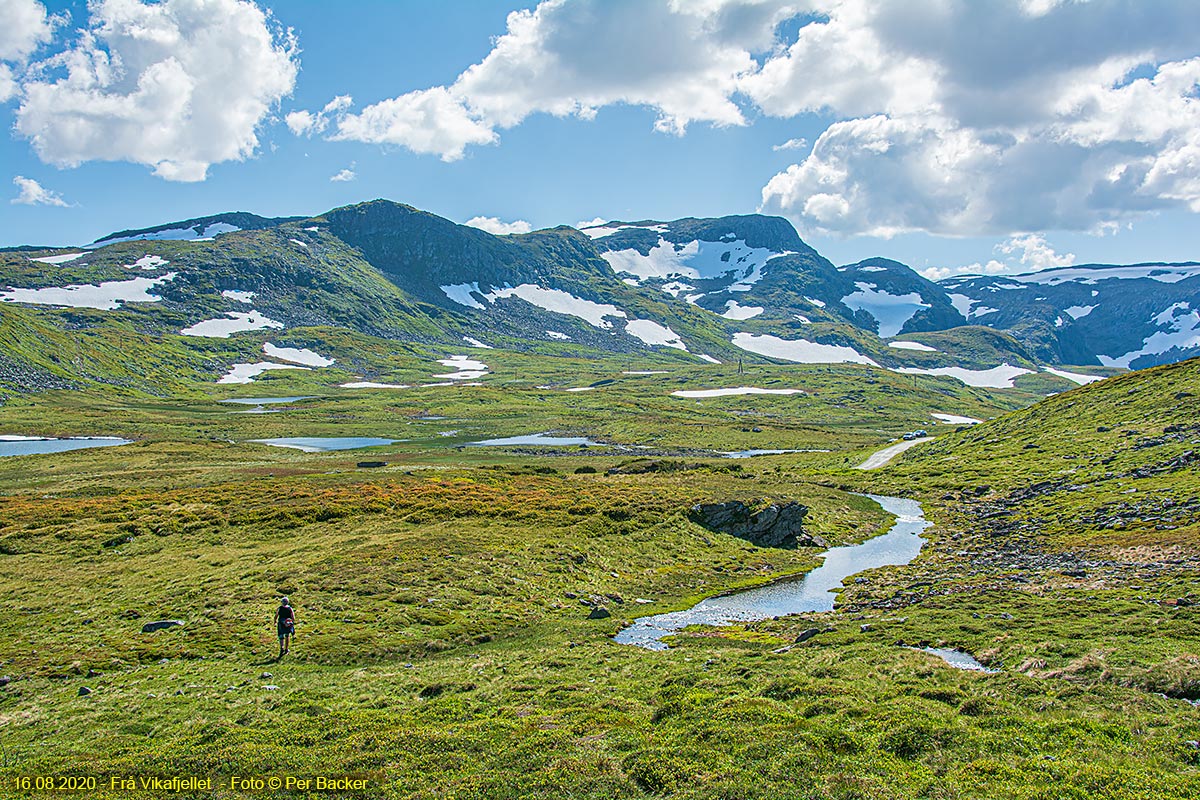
(708, 358)
(731, 392)
(734, 311)
(562, 337)
(600, 231)
(962, 304)
(560, 302)
(209, 233)
(673, 288)
(476, 343)
(59, 259)
(105, 296)
(246, 373)
(891, 311)
(917, 346)
(1164, 273)
(297, 355)
(467, 368)
(801, 351)
(372, 385)
(148, 262)
(239, 296)
(1168, 315)
(1183, 332)
(696, 259)
(1000, 377)
(654, 334)
(1073, 376)
(235, 322)
(1077, 312)
(461, 294)
(966, 306)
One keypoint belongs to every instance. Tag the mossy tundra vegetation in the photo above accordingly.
(443, 649)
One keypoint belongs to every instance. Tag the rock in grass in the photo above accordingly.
(599, 612)
(84, 691)
(805, 635)
(777, 525)
(162, 624)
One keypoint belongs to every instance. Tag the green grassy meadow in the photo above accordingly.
(443, 650)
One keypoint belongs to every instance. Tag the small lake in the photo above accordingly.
(811, 593)
(30, 446)
(323, 444)
(537, 439)
(266, 401)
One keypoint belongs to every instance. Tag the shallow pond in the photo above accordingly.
(753, 453)
(539, 439)
(814, 592)
(266, 401)
(30, 446)
(322, 444)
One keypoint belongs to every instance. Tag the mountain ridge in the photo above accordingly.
(724, 288)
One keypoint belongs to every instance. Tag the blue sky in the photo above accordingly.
(996, 137)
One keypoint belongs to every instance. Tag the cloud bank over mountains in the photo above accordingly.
(948, 117)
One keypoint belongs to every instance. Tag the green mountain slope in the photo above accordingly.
(739, 288)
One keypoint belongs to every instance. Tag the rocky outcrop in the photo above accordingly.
(641, 466)
(151, 627)
(777, 525)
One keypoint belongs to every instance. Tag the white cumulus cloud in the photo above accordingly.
(24, 26)
(966, 118)
(307, 123)
(177, 85)
(951, 117)
(992, 267)
(431, 121)
(8, 83)
(498, 226)
(574, 57)
(791, 144)
(1023, 253)
(32, 193)
(344, 175)
(1035, 252)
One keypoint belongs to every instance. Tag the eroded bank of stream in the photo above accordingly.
(813, 592)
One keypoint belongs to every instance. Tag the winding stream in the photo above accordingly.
(899, 545)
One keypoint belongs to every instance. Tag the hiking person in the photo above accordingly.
(285, 625)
